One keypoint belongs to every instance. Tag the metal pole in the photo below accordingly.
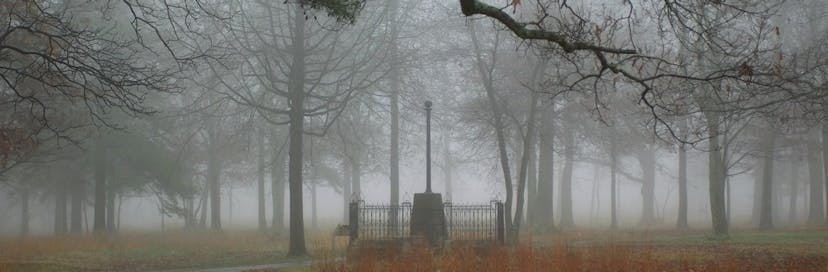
(428, 146)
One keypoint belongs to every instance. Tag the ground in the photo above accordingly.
(157, 251)
(574, 250)
(781, 250)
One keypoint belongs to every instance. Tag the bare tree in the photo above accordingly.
(394, 77)
(523, 127)
(292, 72)
(728, 41)
(486, 72)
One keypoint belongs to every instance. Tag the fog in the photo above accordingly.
(145, 116)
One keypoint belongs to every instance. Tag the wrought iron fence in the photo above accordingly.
(480, 223)
(380, 222)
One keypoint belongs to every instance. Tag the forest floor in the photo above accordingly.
(572, 250)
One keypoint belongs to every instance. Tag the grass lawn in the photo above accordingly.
(574, 250)
(142, 252)
(748, 250)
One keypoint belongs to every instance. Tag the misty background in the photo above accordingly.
(151, 115)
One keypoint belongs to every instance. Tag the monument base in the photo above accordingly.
(428, 219)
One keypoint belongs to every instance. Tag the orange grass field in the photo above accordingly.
(784, 250)
(665, 251)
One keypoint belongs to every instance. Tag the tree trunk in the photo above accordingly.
(190, 222)
(647, 160)
(716, 176)
(613, 182)
(60, 208)
(681, 224)
(532, 184)
(356, 175)
(528, 172)
(118, 212)
(815, 213)
(504, 159)
(766, 214)
(260, 173)
(498, 124)
(188, 213)
(277, 182)
(76, 216)
(825, 166)
(725, 153)
(447, 164)
(545, 205)
(757, 192)
(594, 202)
(85, 220)
(708, 102)
(566, 180)
(776, 200)
(204, 199)
(24, 211)
(314, 218)
(110, 211)
(100, 186)
(213, 175)
(296, 127)
(528, 144)
(727, 197)
(793, 199)
(230, 204)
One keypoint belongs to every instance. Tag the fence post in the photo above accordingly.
(447, 220)
(353, 220)
(393, 221)
(500, 224)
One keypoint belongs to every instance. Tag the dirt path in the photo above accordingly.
(274, 266)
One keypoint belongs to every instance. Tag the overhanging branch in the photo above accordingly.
(472, 7)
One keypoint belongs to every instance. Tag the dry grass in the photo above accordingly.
(566, 258)
(147, 251)
(805, 250)
(784, 251)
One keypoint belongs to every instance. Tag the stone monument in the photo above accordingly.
(428, 220)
